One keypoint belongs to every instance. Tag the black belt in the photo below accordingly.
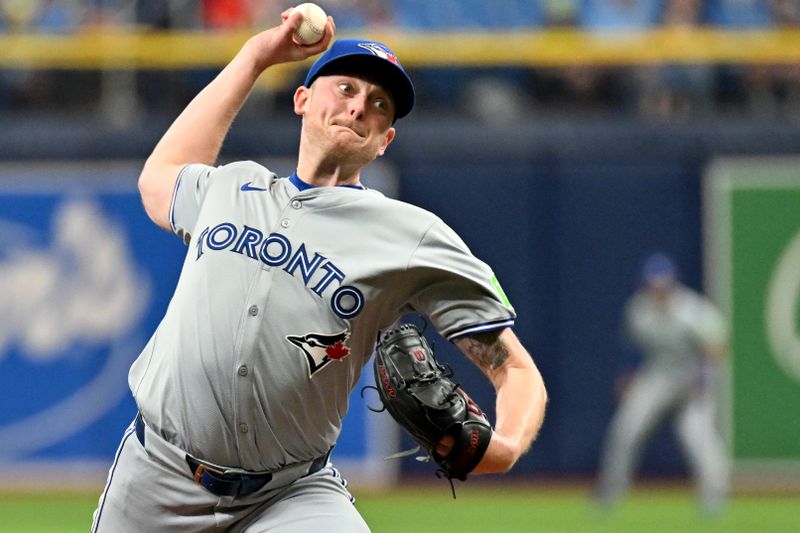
(224, 483)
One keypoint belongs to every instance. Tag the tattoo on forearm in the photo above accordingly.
(485, 349)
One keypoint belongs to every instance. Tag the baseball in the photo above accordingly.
(312, 28)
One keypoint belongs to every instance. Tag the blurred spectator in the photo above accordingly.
(782, 86)
(601, 88)
(167, 14)
(557, 13)
(614, 16)
(18, 15)
(786, 13)
(678, 91)
(41, 16)
(740, 87)
(451, 15)
(226, 14)
(239, 14)
(496, 97)
(760, 90)
(786, 78)
(111, 13)
(360, 14)
(38, 88)
(60, 16)
(739, 13)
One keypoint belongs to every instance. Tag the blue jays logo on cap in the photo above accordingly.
(378, 59)
(380, 51)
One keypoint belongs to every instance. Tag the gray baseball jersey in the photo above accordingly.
(673, 336)
(282, 295)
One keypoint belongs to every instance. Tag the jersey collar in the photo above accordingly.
(303, 186)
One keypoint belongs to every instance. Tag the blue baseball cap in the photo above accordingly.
(372, 57)
(659, 270)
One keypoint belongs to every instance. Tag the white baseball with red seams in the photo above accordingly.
(312, 28)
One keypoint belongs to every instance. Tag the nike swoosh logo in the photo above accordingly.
(248, 187)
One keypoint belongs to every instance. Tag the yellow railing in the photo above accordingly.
(554, 47)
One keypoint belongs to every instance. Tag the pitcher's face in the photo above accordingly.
(347, 114)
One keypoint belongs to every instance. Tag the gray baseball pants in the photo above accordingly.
(150, 489)
(652, 395)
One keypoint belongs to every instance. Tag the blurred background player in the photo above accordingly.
(682, 337)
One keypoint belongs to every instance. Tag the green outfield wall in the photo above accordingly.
(753, 241)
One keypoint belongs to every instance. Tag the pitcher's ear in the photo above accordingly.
(301, 96)
(387, 141)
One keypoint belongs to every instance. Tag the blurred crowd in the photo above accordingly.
(68, 16)
(72, 15)
(653, 92)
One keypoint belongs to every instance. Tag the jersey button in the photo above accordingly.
(243, 370)
(285, 223)
(253, 310)
(243, 427)
(297, 204)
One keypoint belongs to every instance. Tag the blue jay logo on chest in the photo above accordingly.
(321, 348)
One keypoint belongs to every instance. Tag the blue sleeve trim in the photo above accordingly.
(174, 196)
(481, 328)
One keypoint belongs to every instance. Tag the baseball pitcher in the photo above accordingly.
(287, 285)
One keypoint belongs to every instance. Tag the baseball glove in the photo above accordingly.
(418, 393)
